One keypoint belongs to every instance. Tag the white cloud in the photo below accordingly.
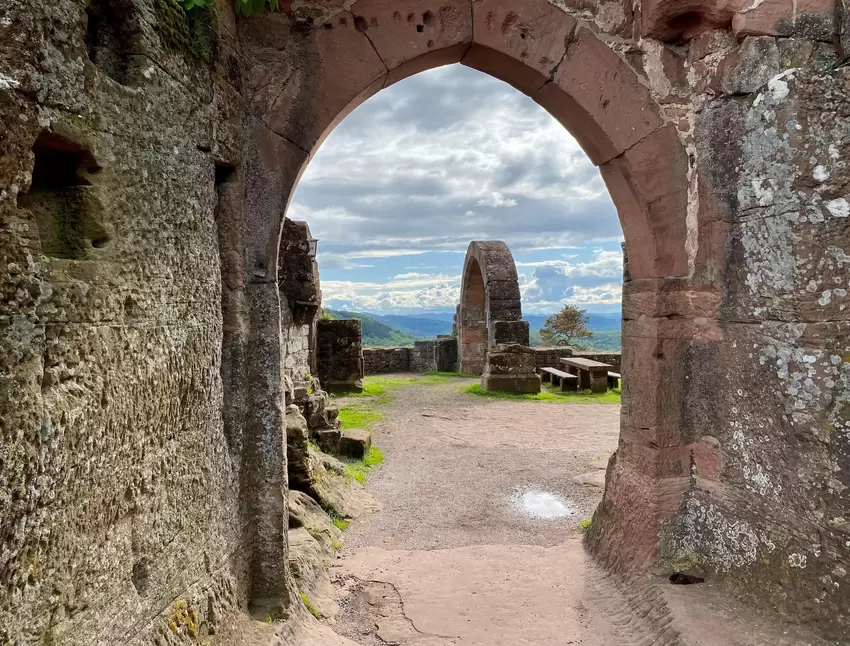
(446, 157)
(404, 292)
(496, 200)
(556, 281)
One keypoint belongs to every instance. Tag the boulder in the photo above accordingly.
(308, 562)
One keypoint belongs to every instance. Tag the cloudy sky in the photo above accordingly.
(403, 184)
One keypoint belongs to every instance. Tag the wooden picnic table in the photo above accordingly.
(592, 375)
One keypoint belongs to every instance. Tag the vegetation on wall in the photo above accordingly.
(190, 31)
(243, 7)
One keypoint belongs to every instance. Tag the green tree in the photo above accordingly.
(565, 326)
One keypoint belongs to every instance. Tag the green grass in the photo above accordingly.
(450, 375)
(381, 386)
(585, 524)
(313, 610)
(359, 416)
(359, 470)
(550, 395)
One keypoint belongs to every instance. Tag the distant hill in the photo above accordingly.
(423, 327)
(375, 333)
(386, 330)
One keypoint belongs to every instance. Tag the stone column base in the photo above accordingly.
(515, 384)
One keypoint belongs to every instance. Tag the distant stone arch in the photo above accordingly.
(489, 294)
(492, 337)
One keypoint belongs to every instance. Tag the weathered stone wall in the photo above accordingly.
(300, 300)
(384, 361)
(429, 354)
(119, 483)
(339, 351)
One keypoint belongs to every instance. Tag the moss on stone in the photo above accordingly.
(687, 562)
(183, 619)
(187, 33)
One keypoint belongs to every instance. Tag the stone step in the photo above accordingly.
(355, 443)
(327, 439)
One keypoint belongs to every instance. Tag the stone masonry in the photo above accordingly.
(492, 338)
(431, 354)
(340, 355)
(147, 159)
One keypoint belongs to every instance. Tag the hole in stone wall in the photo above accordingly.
(110, 34)
(141, 576)
(420, 28)
(680, 578)
(61, 199)
(686, 22)
(223, 173)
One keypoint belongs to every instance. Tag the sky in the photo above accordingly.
(400, 188)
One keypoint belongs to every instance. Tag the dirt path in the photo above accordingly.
(463, 554)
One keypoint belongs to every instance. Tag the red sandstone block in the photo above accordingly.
(599, 99)
(519, 42)
(804, 18)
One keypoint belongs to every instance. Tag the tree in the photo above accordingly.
(565, 326)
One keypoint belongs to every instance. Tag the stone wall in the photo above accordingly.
(119, 476)
(426, 355)
(339, 355)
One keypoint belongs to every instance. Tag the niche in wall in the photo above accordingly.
(63, 201)
(111, 33)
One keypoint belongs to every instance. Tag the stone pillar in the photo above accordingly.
(340, 355)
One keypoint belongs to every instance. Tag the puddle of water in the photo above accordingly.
(543, 504)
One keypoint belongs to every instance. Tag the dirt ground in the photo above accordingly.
(479, 540)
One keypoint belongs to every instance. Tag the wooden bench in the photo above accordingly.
(568, 382)
(613, 380)
(592, 375)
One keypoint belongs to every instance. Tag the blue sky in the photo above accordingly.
(404, 183)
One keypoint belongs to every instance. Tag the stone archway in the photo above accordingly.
(298, 95)
(720, 131)
(492, 337)
(472, 320)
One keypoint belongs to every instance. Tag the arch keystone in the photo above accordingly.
(521, 43)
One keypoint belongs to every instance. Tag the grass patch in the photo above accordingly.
(359, 470)
(313, 610)
(551, 395)
(359, 416)
(380, 386)
(585, 524)
(339, 522)
(450, 375)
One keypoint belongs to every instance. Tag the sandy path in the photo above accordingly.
(452, 559)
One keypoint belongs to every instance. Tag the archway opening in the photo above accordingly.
(618, 125)
(472, 326)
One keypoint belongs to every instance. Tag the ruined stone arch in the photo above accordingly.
(305, 73)
(733, 451)
(309, 73)
(489, 297)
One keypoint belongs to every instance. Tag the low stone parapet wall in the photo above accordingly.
(429, 354)
(382, 361)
